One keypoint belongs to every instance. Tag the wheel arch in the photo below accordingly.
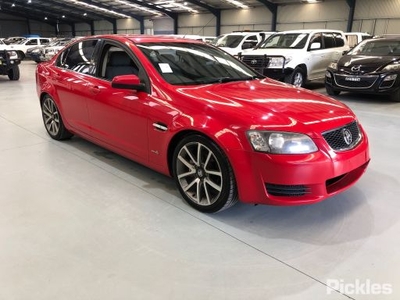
(304, 68)
(223, 141)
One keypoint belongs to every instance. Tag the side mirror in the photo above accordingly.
(315, 46)
(127, 82)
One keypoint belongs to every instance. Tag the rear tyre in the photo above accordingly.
(297, 78)
(21, 55)
(52, 120)
(330, 91)
(13, 73)
(204, 175)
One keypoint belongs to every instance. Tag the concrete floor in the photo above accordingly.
(79, 222)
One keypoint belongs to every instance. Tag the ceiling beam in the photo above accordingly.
(352, 6)
(273, 8)
(25, 16)
(215, 11)
(31, 13)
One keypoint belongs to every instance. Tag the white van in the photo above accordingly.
(236, 42)
(297, 56)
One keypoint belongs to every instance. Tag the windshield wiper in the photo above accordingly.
(230, 79)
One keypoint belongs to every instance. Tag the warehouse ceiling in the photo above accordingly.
(75, 11)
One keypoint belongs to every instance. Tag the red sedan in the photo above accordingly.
(193, 112)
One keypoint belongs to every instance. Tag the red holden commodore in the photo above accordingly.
(191, 111)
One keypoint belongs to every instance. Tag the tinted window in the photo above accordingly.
(31, 42)
(116, 61)
(329, 40)
(78, 57)
(339, 39)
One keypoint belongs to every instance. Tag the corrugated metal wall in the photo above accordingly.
(377, 17)
(374, 16)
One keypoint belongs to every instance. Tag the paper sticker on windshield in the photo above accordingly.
(165, 68)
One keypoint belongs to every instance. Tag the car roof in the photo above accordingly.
(140, 38)
(309, 31)
(390, 39)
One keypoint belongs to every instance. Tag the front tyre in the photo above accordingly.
(13, 73)
(52, 120)
(204, 175)
(395, 96)
(296, 78)
(330, 91)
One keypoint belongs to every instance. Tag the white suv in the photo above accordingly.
(236, 42)
(24, 45)
(297, 56)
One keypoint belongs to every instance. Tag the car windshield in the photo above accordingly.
(286, 40)
(377, 47)
(229, 41)
(191, 64)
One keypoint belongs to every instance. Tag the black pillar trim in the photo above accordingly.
(352, 5)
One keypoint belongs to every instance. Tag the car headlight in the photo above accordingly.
(333, 65)
(281, 142)
(278, 62)
(392, 67)
(12, 55)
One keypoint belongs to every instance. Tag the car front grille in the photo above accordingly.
(355, 81)
(287, 190)
(343, 138)
(360, 71)
(257, 62)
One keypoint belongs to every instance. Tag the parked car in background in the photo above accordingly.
(9, 62)
(14, 40)
(194, 112)
(297, 56)
(206, 39)
(22, 46)
(354, 38)
(236, 42)
(52, 49)
(373, 66)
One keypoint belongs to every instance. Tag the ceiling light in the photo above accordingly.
(237, 3)
(172, 4)
(135, 6)
(311, 1)
(86, 5)
(45, 18)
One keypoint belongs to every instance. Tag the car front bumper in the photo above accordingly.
(377, 83)
(298, 179)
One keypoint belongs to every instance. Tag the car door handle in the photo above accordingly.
(94, 90)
